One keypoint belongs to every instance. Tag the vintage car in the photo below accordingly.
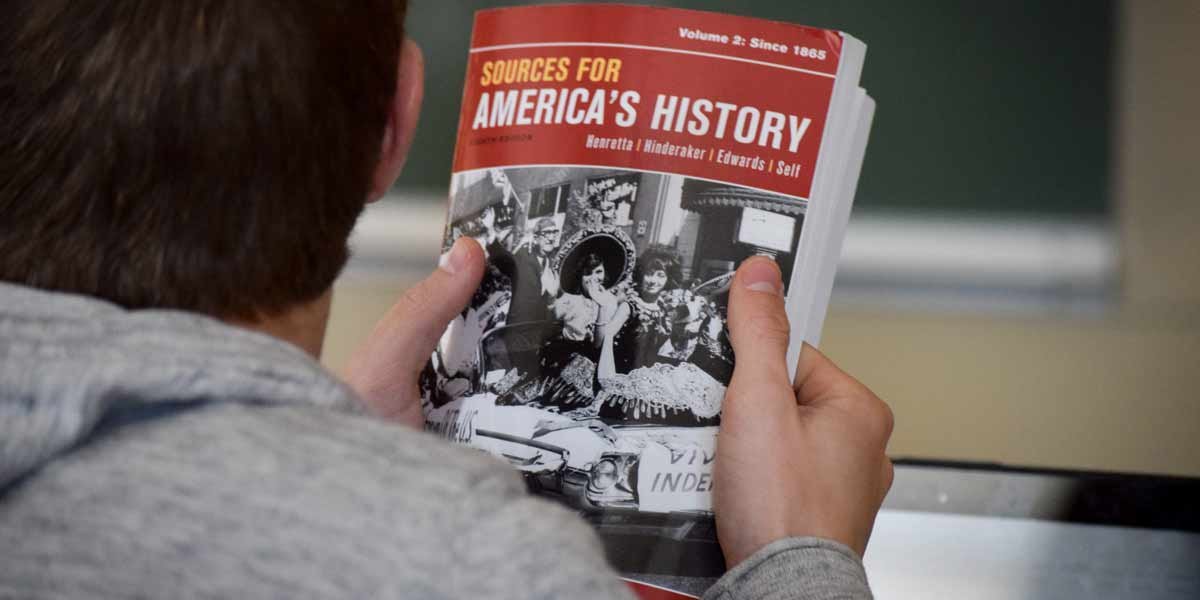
(593, 466)
(591, 463)
(588, 464)
(646, 489)
(643, 486)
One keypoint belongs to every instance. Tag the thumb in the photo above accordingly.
(758, 324)
(419, 318)
(385, 368)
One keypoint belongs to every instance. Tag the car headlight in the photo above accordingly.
(604, 475)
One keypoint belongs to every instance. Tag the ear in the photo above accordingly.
(402, 119)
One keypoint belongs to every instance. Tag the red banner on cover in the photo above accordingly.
(649, 89)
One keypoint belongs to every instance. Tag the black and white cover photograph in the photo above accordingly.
(594, 356)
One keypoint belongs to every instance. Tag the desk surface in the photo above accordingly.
(987, 532)
(930, 555)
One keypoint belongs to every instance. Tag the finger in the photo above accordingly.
(758, 324)
(388, 363)
(419, 318)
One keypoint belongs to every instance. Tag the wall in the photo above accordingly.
(1117, 392)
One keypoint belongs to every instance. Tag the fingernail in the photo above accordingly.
(761, 274)
(453, 260)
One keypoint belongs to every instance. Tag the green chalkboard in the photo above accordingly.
(982, 106)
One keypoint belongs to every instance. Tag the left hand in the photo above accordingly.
(605, 298)
(384, 370)
(592, 289)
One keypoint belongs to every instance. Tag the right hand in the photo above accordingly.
(595, 290)
(807, 460)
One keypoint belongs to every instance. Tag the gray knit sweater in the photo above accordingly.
(164, 454)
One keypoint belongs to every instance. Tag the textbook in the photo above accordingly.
(617, 163)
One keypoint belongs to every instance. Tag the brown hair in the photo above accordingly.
(659, 257)
(589, 264)
(204, 155)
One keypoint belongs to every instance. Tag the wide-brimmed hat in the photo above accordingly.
(610, 244)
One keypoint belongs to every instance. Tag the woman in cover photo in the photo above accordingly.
(595, 269)
(651, 352)
(684, 384)
(656, 276)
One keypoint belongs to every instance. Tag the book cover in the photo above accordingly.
(617, 163)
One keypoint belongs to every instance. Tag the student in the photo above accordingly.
(177, 184)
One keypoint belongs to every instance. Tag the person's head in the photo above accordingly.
(608, 208)
(203, 155)
(592, 274)
(545, 236)
(597, 256)
(657, 269)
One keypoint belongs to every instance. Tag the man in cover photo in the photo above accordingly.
(537, 284)
(178, 181)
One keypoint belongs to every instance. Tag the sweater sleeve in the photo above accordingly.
(526, 547)
(802, 568)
